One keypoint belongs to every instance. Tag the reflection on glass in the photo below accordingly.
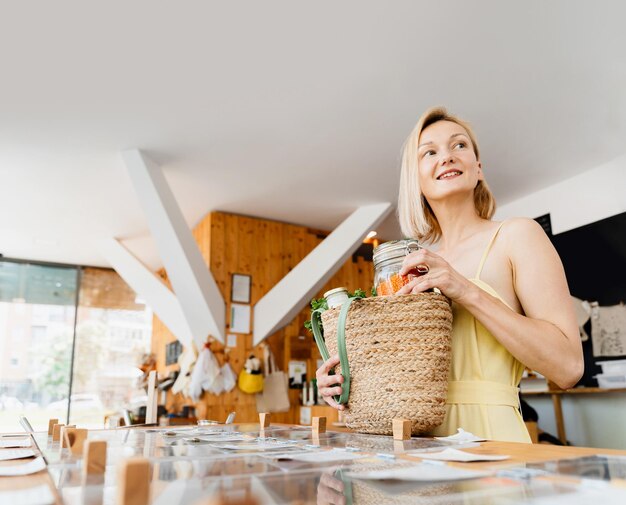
(37, 313)
(332, 489)
(36, 329)
(113, 334)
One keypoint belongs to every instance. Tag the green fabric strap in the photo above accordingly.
(316, 324)
(347, 485)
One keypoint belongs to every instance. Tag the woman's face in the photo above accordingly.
(447, 164)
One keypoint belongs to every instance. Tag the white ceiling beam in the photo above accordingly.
(149, 287)
(198, 294)
(283, 302)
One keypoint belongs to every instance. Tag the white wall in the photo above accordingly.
(590, 420)
(586, 198)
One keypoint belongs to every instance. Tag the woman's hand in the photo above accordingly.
(439, 274)
(330, 490)
(328, 385)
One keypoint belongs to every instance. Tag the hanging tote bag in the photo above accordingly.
(394, 353)
(251, 382)
(275, 395)
(228, 377)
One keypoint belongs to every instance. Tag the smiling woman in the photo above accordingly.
(511, 304)
(510, 296)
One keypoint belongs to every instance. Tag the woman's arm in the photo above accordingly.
(546, 337)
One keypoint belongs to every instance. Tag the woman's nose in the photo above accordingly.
(447, 158)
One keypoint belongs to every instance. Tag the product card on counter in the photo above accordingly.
(425, 472)
(456, 455)
(9, 454)
(9, 442)
(320, 456)
(34, 466)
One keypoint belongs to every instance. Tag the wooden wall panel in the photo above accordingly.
(267, 251)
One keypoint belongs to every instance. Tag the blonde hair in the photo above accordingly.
(416, 217)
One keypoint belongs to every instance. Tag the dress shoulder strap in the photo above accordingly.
(486, 253)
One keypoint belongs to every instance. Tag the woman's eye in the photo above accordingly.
(460, 144)
(430, 152)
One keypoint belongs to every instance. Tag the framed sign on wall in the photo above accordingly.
(240, 288)
(172, 351)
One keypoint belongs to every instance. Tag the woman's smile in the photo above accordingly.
(449, 174)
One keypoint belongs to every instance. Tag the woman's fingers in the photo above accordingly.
(328, 384)
(330, 481)
(423, 258)
(330, 400)
(322, 374)
(419, 284)
(332, 391)
(425, 282)
(328, 365)
(330, 491)
(407, 288)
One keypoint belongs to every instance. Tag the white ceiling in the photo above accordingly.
(294, 111)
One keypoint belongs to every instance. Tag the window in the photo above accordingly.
(38, 334)
(37, 313)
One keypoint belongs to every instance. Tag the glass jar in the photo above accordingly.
(388, 258)
(336, 297)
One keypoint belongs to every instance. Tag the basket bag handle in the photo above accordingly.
(316, 325)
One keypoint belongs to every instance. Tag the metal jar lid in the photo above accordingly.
(393, 250)
(333, 291)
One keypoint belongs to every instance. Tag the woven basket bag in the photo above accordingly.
(364, 492)
(395, 357)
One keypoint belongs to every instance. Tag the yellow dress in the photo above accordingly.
(482, 389)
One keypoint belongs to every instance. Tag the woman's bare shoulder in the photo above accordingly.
(521, 227)
(524, 237)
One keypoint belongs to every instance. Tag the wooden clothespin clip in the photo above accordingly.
(264, 420)
(51, 424)
(318, 425)
(75, 439)
(56, 432)
(133, 482)
(401, 429)
(94, 457)
(62, 437)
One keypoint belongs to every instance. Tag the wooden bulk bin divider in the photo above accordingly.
(75, 440)
(264, 419)
(94, 457)
(51, 424)
(319, 425)
(56, 432)
(401, 429)
(133, 482)
(62, 437)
